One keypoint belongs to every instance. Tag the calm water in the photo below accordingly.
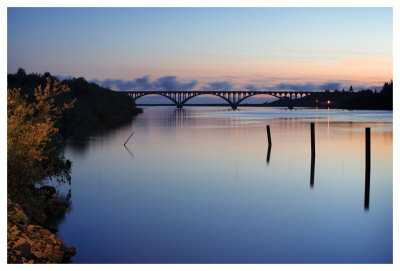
(196, 186)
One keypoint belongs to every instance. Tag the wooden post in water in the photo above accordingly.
(312, 139)
(367, 166)
(129, 138)
(269, 136)
(312, 155)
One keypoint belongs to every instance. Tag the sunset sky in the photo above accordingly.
(237, 48)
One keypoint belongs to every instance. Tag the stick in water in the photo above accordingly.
(129, 138)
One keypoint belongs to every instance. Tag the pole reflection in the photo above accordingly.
(269, 153)
(129, 152)
(312, 170)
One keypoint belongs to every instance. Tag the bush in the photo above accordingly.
(32, 152)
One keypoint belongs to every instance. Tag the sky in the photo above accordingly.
(206, 48)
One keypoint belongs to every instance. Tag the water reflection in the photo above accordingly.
(197, 191)
(366, 191)
(269, 153)
(82, 135)
(171, 117)
(129, 152)
(312, 170)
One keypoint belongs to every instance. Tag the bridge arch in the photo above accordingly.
(276, 95)
(159, 94)
(214, 94)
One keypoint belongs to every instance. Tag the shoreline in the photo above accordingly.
(28, 242)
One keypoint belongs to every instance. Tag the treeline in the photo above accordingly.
(94, 107)
(365, 99)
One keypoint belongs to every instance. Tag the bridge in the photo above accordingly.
(233, 98)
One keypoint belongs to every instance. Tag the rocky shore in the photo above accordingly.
(31, 243)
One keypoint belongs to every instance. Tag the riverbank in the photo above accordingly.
(40, 112)
(28, 242)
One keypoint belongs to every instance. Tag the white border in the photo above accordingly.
(205, 3)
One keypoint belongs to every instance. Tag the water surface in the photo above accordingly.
(197, 185)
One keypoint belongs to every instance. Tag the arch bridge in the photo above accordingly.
(233, 98)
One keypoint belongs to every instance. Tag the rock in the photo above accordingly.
(33, 243)
(23, 248)
(38, 254)
(72, 251)
(33, 228)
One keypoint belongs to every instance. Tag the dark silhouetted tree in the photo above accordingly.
(21, 72)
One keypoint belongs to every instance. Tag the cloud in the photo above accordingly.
(62, 77)
(308, 86)
(331, 86)
(296, 87)
(116, 84)
(251, 87)
(171, 83)
(144, 83)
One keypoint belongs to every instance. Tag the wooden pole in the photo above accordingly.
(367, 166)
(312, 155)
(312, 139)
(129, 138)
(269, 136)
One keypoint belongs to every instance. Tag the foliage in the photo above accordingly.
(32, 152)
(95, 106)
(387, 94)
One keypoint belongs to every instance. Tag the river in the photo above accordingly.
(198, 185)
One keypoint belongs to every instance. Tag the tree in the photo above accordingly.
(21, 72)
(386, 95)
(31, 129)
(351, 89)
(388, 88)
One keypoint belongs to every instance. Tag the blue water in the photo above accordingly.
(196, 185)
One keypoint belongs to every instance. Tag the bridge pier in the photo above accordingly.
(234, 106)
(179, 106)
